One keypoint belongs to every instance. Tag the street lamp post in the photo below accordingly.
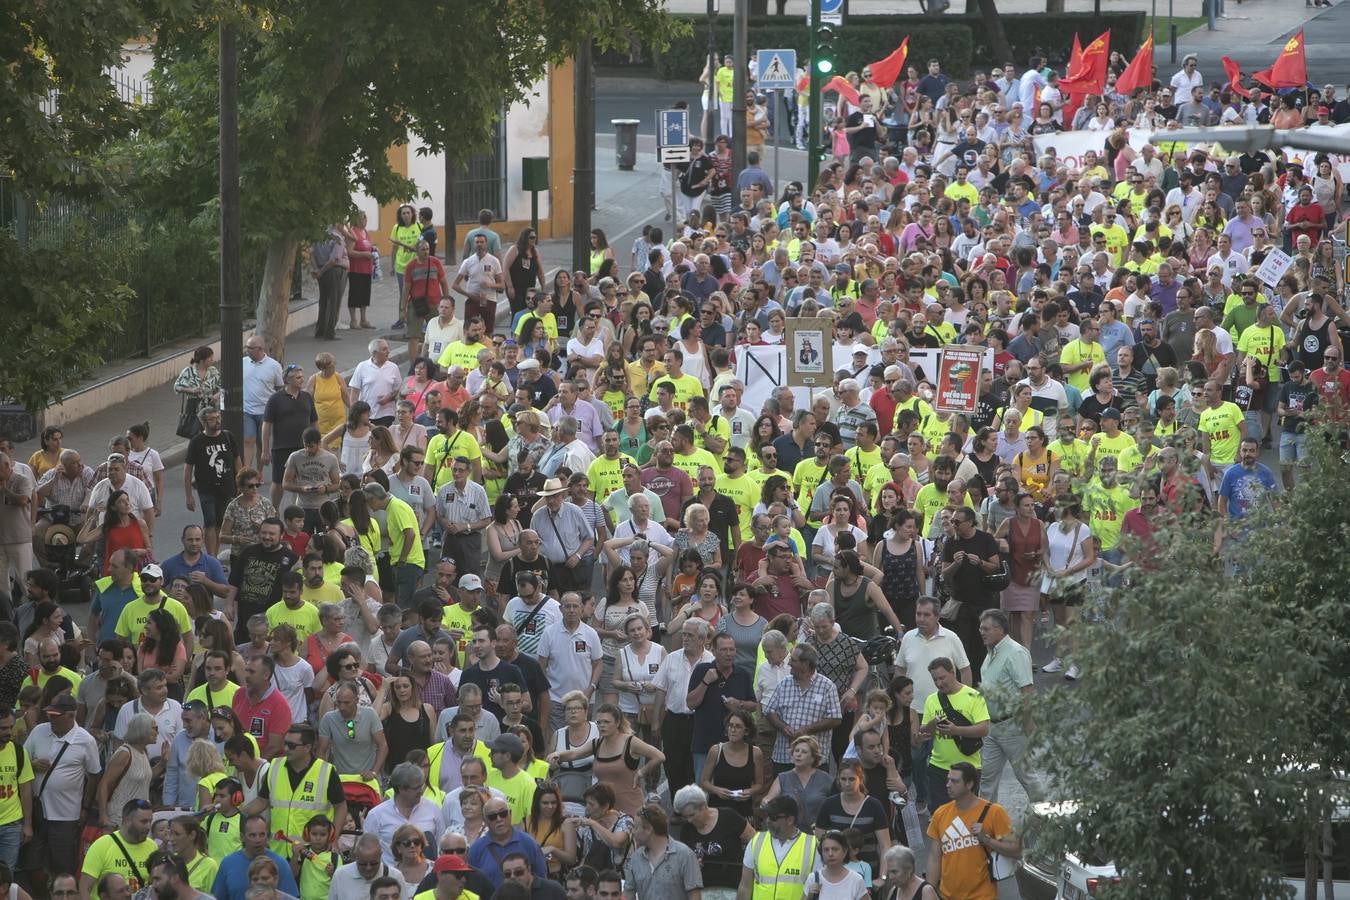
(814, 128)
(231, 309)
(714, 101)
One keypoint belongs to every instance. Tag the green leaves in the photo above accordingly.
(72, 300)
(1182, 742)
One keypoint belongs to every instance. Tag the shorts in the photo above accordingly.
(1293, 447)
(416, 325)
(213, 507)
(279, 457)
(253, 426)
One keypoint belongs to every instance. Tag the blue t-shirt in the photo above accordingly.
(232, 877)
(208, 565)
(109, 603)
(1245, 488)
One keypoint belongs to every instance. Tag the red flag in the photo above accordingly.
(1072, 101)
(1234, 74)
(1090, 75)
(1139, 73)
(886, 71)
(1290, 69)
(839, 85)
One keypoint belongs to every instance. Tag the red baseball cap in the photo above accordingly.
(451, 862)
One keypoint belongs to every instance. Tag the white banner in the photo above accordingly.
(1070, 146)
(761, 369)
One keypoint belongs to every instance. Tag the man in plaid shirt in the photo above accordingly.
(806, 703)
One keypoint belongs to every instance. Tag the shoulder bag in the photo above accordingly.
(969, 746)
(188, 423)
(1001, 867)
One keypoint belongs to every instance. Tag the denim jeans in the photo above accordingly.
(920, 754)
(9, 844)
(407, 576)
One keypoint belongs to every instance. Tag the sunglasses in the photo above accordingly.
(498, 815)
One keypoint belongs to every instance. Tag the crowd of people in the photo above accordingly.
(554, 612)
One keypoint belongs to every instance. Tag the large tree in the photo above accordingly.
(326, 89)
(1180, 745)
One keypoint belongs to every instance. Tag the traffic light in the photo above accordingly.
(824, 60)
(823, 152)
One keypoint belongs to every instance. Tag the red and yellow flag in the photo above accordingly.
(1234, 73)
(1139, 73)
(1090, 75)
(886, 71)
(1290, 69)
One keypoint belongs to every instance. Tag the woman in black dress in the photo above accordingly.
(523, 269)
(733, 774)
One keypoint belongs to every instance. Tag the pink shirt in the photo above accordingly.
(270, 715)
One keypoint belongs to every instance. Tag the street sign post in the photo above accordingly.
(672, 145)
(776, 69)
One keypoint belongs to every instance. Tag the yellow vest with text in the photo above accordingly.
(785, 880)
(291, 809)
(436, 753)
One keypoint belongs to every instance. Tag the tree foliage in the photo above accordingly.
(1179, 746)
(326, 89)
(56, 57)
(67, 300)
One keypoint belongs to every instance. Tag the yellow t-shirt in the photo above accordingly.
(1221, 425)
(1104, 446)
(222, 697)
(640, 380)
(106, 856)
(458, 353)
(404, 234)
(970, 703)
(760, 476)
(202, 873)
(689, 464)
(726, 83)
(518, 790)
(304, 620)
(1107, 508)
(1263, 343)
(456, 617)
(131, 623)
(43, 676)
(11, 810)
(1116, 240)
(441, 453)
(744, 491)
(862, 460)
(718, 427)
(1132, 457)
(956, 190)
(222, 834)
(327, 592)
(1078, 351)
(606, 475)
(805, 479)
(686, 386)
(399, 517)
(877, 476)
(1072, 454)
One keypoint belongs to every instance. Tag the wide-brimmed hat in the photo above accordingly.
(553, 486)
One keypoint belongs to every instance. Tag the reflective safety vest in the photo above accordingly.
(431, 895)
(785, 880)
(436, 753)
(291, 809)
(222, 835)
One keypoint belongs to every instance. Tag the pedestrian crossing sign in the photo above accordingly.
(776, 69)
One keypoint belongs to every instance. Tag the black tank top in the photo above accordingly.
(1311, 344)
(854, 616)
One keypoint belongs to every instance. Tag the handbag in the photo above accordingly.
(951, 609)
(188, 423)
(1000, 579)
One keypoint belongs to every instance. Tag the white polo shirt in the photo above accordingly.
(917, 651)
(569, 656)
(673, 678)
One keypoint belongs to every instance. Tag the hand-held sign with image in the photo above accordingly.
(958, 384)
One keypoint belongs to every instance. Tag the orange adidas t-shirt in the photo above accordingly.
(965, 867)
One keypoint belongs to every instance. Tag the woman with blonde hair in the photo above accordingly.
(1207, 352)
(205, 765)
(408, 844)
(383, 452)
(330, 392)
(129, 771)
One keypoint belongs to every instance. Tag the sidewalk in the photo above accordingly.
(1251, 33)
(161, 407)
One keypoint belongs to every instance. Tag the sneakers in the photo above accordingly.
(1053, 665)
(399, 323)
(1073, 673)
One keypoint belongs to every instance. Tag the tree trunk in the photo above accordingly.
(1054, 6)
(782, 7)
(759, 7)
(998, 41)
(274, 298)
